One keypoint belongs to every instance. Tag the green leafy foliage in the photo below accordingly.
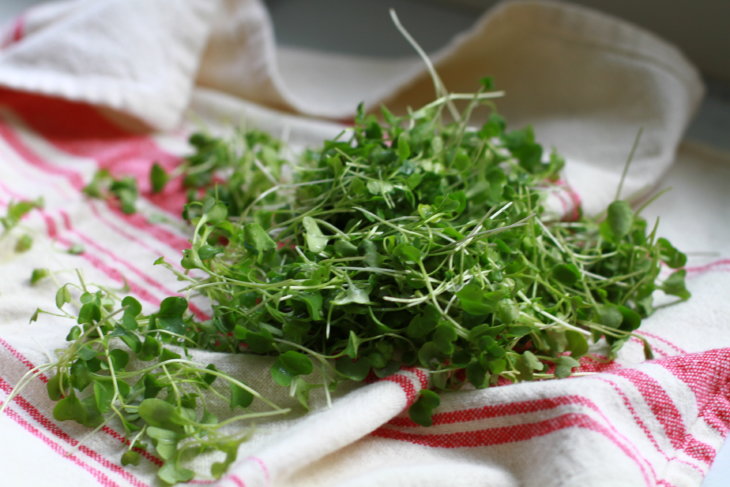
(158, 178)
(24, 243)
(16, 211)
(670, 255)
(123, 190)
(406, 241)
(421, 411)
(123, 363)
(289, 365)
(38, 275)
(76, 249)
(620, 219)
(675, 285)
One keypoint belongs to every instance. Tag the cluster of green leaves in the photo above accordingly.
(121, 365)
(15, 212)
(405, 241)
(249, 164)
(410, 241)
(124, 190)
(254, 154)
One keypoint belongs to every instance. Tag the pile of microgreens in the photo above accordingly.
(407, 241)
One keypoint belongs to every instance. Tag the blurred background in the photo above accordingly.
(699, 28)
(363, 27)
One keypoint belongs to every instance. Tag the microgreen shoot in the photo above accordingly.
(38, 275)
(123, 190)
(14, 214)
(16, 210)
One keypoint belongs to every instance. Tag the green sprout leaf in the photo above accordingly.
(125, 190)
(565, 365)
(24, 243)
(172, 473)
(160, 414)
(316, 240)
(675, 285)
(256, 239)
(132, 309)
(670, 255)
(620, 219)
(17, 210)
(352, 295)
(289, 365)
(90, 311)
(76, 249)
(158, 178)
(53, 387)
(103, 395)
(355, 370)
(421, 412)
(240, 397)
(407, 253)
(38, 275)
(170, 316)
(474, 300)
(567, 274)
(131, 457)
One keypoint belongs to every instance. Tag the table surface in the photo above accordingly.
(304, 24)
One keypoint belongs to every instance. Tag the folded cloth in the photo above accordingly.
(118, 85)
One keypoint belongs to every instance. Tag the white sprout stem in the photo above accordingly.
(551, 236)
(467, 240)
(260, 414)
(386, 222)
(628, 163)
(409, 301)
(563, 322)
(265, 171)
(439, 86)
(553, 317)
(463, 96)
(278, 187)
(501, 210)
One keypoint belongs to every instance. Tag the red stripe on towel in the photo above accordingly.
(668, 415)
(512, 434)
(16, 32)
(56, 431)
(707, 374)
(642, 425)
(106, 429)
(501, 410)
(81, 130)
(115, 274)
(718, 265)
(96, 474)
(74, 177)
(674, 347)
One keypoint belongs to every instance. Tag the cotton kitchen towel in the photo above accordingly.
(118, 85)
